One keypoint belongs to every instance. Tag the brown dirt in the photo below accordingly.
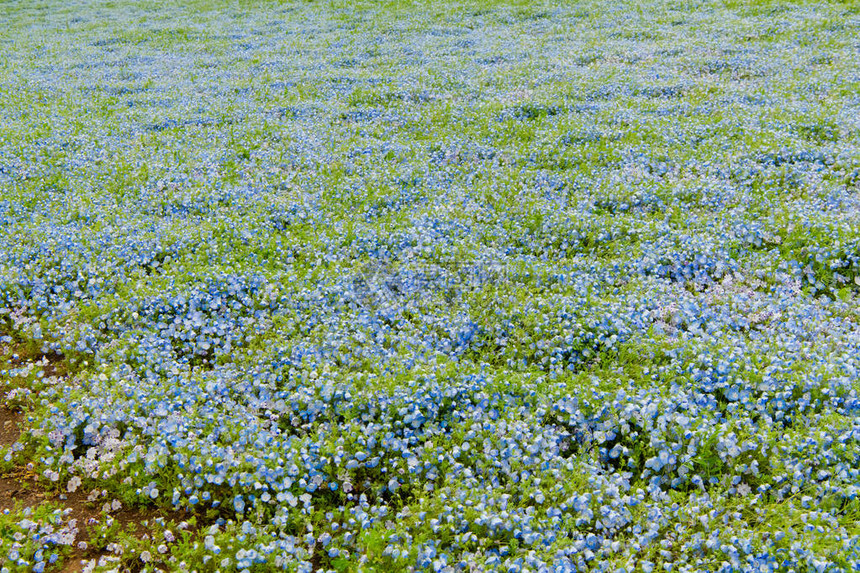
(10, 426)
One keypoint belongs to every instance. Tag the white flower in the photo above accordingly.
(73, 484)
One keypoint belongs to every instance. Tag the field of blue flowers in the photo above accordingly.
(461, 286)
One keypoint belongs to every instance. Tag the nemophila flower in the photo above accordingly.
(522, 326)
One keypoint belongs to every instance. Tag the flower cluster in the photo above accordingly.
(501, 288)
(35, 538)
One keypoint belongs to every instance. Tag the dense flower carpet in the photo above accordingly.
(454, 286)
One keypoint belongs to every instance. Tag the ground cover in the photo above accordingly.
(439, 286)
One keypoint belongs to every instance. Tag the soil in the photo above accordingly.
(10, 426)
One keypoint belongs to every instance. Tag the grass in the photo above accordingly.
(379, 286)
